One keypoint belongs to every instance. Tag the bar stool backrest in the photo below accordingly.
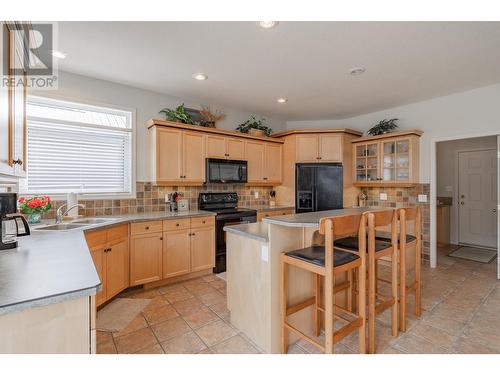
(406, 216)
(381, 218)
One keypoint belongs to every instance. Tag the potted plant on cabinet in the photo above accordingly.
(209, 118)
(383, 127)
(178, 114)
(255, 127)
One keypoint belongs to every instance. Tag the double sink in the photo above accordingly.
(77, 224)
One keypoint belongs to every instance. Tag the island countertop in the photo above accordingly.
(257, 231)
(312, 219)
(53, 266)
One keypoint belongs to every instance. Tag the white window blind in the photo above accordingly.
(73, 147)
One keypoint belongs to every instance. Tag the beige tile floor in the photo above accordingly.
(461, 306)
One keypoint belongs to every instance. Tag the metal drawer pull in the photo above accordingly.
(177, 224)
(146, 228)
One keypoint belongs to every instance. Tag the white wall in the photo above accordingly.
(469, 113)
(447, 171)
(146, 103)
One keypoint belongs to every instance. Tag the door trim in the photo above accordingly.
(456, 195)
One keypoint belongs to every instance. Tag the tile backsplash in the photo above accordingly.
(151, 198)
(405, 197)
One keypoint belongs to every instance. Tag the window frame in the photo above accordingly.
(133, 148)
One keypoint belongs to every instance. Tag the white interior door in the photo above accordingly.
(477, 194)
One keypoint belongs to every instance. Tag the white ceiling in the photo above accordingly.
(306, 62)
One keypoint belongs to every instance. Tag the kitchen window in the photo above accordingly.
(75, 147)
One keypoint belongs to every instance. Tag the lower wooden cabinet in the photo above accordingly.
(146, 258)
(202, 248)
(176, 253)
(109, 249)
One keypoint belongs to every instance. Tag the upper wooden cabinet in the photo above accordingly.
(178, 156)
(319, 148)
(178, 153)
(264, 162)
(387, 160)
(12, 109)
(220, 147)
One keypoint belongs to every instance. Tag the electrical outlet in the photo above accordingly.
(383, 196)
(256, 194)
(264, 253)
(422, 198)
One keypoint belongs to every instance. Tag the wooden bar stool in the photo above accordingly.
(326, 262)
(406, 241)
(378, 303)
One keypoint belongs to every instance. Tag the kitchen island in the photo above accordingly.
(253, 273)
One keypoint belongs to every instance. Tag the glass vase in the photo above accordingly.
(34, 217)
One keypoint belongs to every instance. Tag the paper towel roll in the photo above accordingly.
(71, 200)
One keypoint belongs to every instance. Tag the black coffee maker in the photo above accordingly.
(12, 224)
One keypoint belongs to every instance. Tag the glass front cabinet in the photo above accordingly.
(387, 160)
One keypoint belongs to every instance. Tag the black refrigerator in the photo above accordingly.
(318, 187)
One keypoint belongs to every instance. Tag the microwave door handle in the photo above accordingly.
(240, 173)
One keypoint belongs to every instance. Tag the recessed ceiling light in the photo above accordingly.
(282, 100)
(58, 54)
(200, 76)
(357, 71)
(268, 24)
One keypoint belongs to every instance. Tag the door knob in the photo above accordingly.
(462, 203)
(494, 210)
(462, 196)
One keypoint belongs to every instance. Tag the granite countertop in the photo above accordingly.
(311, 219)
(255, 231)
(266, 207)
(52, 266)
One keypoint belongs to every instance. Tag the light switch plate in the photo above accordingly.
(264, 253)
(383, 196)
(422, 198)
(256, 195)
(448, 188)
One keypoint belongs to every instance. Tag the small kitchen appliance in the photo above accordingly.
(13, 225)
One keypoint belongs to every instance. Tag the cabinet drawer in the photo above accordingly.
(118, 233)
(96, 238)
(146, 227)
(176, 224)
(205, 221)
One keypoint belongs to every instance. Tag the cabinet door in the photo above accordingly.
(6, 166)
(235, 149)
(255, 158)
(367, 162)
(117, 268)
(193, 147)
(272, 163)
(307, 148)
(202, 249)
(145, 258)
(100, 265)
(330, 148)
(168, 155)
(176, 253)
(216, 147)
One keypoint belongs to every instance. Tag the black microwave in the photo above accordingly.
(226, 171)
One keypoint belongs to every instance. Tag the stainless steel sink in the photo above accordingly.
(94, 220)
(63, 226)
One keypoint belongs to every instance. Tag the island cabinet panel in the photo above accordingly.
(193, 157)
(263, 214)
(272, 163)
(202, 248)
(145, 258)
(117, 268)
(109, 249)
(330, 148)
(176, 253)
(255, 157)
